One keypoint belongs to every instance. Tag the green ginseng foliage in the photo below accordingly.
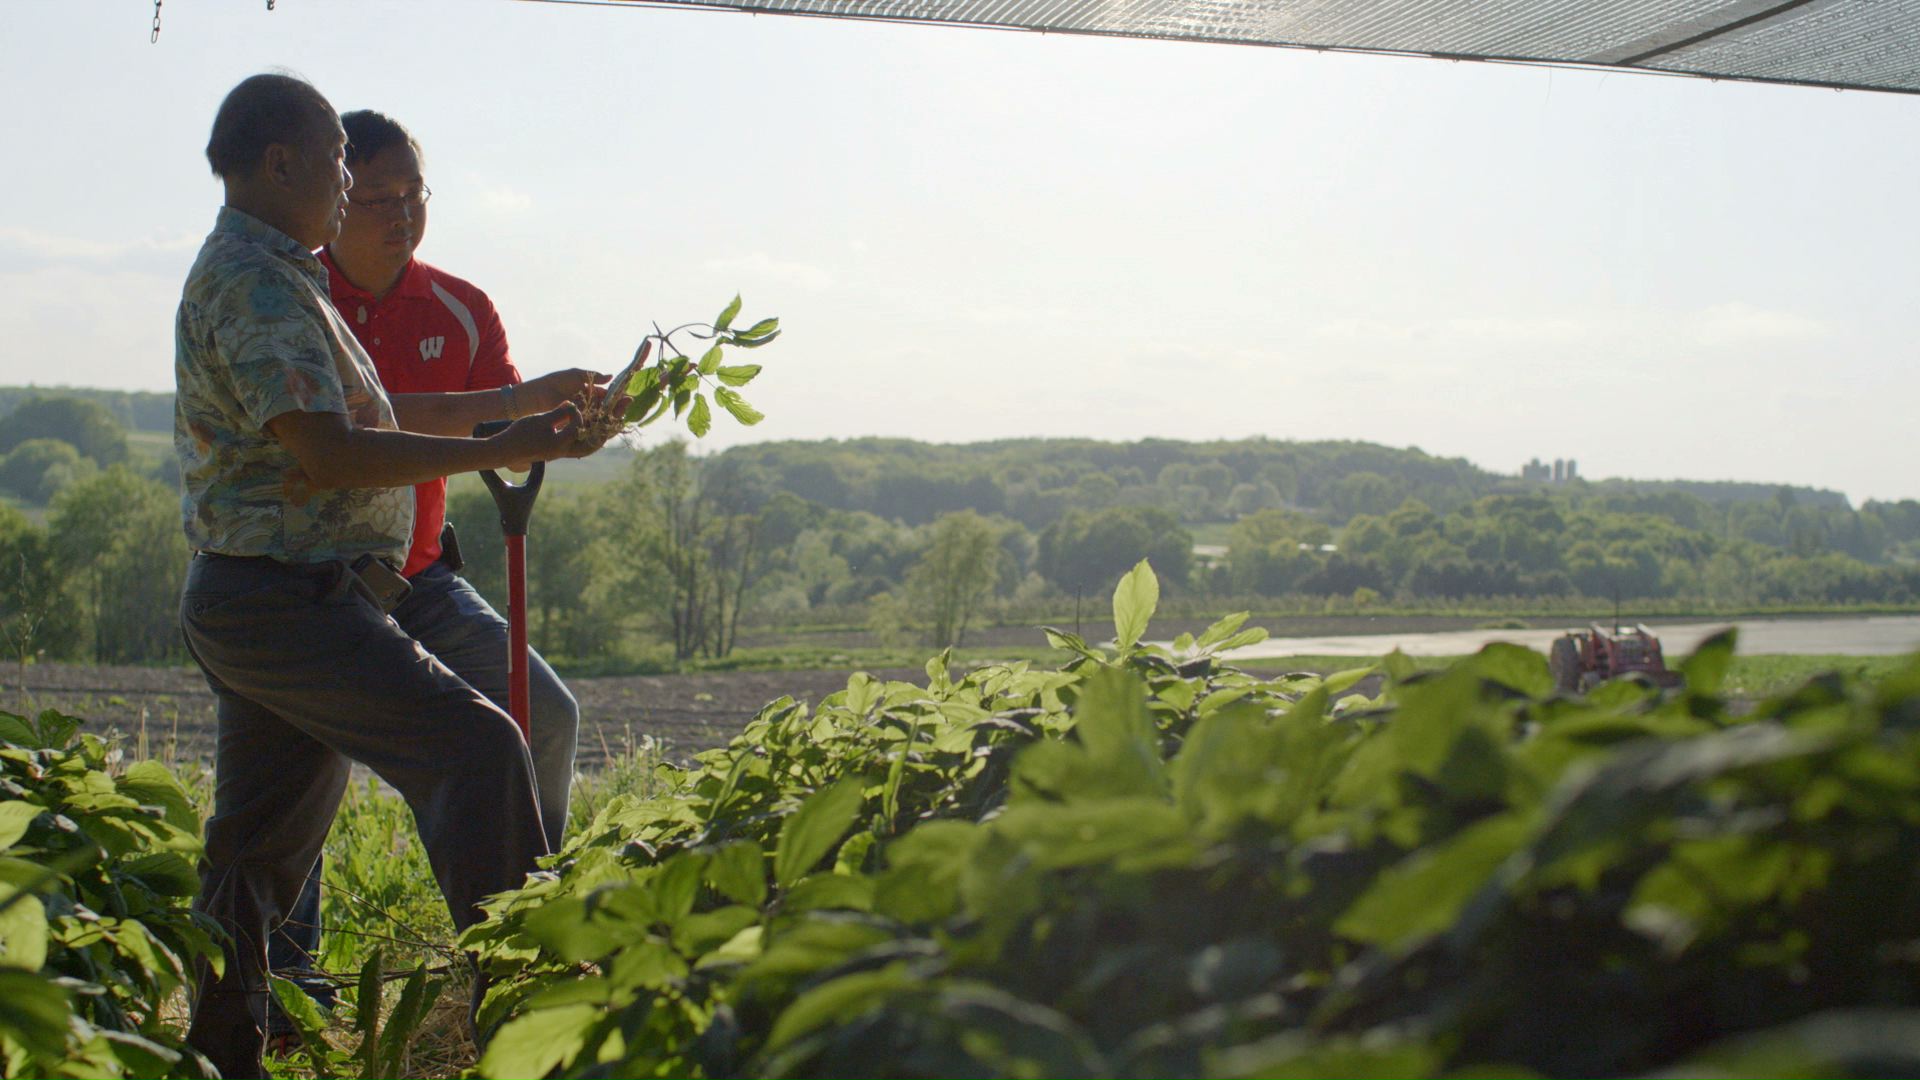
(98, 871)
(1145, 862)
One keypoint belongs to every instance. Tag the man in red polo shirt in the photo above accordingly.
(432, 333)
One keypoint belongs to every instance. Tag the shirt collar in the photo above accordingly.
(414, 281)
(242, 224)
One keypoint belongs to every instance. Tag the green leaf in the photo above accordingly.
(675, 885)
(1005, 1035)
(306, 1015)
(532, 1044)
(739, 872)
(1834, 1042)
(1112, 723)
(1513, 666)
(922, 881)
(1397, 666)
(1130, 835)
(1221, 630)
(153, 785)
(1301, 1053)
(15, 816)
(1346, 680)
(853, 853)
(1134, 601)
(737, 374)
(1061, 639)
(416, 998)
(700, 420)
(15, 729)
(562, 925)
(37, 1012)
(837, 1002)
(56, 728)
(697, 934)
(642, 402)
(646, 963)
(1421, 894)
(741, 948)
(366, 1017)
(726, 317)
(168, 873)
(738, 406)
(1253, 635)
(643, 380)
(1706, 669)
(825, 892)
(710, 363)
(23, 934)
(765, 328)
(814, 943)
(141, 1056)
(812, 831)
(755, 343)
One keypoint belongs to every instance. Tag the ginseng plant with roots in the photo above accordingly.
(679, 384)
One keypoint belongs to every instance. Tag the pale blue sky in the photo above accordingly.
(973, 234)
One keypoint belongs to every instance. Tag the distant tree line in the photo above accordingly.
(924, 544)
(49, 441)
(135, 410)
(686, 549)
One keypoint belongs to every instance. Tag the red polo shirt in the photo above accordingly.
(432, 334)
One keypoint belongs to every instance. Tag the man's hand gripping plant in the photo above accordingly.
(674, 383)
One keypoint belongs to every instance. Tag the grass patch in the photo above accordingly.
(1755, 677)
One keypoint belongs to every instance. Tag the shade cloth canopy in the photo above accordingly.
(1854, 44)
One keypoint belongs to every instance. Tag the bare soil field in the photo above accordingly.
(173, 708)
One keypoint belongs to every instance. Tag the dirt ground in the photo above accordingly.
(172, 709)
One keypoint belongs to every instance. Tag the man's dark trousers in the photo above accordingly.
(310, 676)
(456, 624)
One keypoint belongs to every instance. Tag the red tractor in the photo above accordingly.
(1584, 659)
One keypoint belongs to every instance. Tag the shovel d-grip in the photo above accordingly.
(515, 503)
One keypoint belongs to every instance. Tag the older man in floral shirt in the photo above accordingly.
(297, 469)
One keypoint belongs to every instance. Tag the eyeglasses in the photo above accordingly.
(412, 200)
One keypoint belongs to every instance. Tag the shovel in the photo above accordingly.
(515, 503)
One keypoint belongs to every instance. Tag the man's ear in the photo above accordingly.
(277, 164)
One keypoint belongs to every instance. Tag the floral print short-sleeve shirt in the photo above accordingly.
(256, 337)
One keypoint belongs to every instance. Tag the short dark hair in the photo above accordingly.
(263, 110)
(370, 132)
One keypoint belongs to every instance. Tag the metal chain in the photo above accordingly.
(154, 38)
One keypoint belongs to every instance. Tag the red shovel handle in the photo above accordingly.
(517, 656)
(515, 503)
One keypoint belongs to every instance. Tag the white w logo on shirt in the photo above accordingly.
(431, 348)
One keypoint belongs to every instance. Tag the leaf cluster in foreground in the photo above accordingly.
(1149, 863)
(97, 872)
